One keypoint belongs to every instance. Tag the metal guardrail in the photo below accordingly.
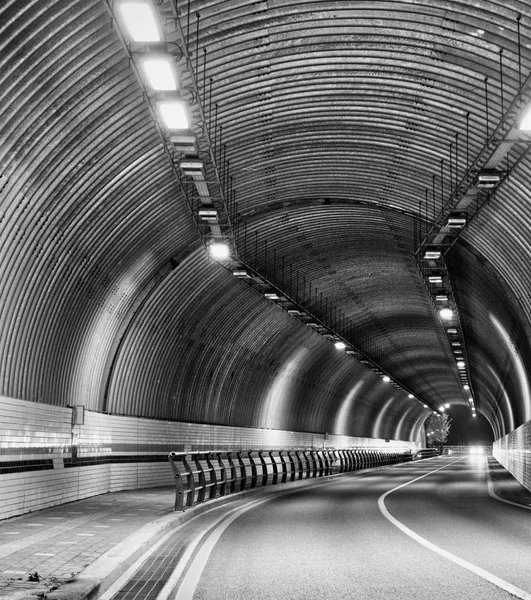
(461, 450)
(202, 476)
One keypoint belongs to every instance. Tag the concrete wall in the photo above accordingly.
(46, 460)
(513, 451)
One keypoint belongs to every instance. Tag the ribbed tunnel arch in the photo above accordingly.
(331, 136)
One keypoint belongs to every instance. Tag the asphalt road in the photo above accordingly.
(441, 535)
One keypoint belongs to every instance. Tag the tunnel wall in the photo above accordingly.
(513, 451)
(46, 460)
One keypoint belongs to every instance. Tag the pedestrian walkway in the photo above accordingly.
(77, 550)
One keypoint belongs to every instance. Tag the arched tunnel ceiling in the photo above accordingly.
(338, 130)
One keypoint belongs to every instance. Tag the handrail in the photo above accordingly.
(204, 475)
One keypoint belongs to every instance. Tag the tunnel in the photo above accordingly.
(284, 233)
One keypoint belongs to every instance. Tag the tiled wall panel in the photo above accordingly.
(513, 451)
(45, 460)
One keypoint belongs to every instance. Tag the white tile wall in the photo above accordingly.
(513, 452)
(43, 433)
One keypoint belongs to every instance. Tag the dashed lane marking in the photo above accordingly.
(497, 581)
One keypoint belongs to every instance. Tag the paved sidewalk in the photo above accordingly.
(93, 541)
(44, 549)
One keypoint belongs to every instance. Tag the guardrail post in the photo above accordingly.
(222, 476)
(213, 483)
(293, 466)
(284, 467)
(201, 489)
(264, 467)
(233, 473)
(300, 467)
(190, 482)
(179, 492)
(275, 467)
(243, 471)
(312, 463)
(253, 468)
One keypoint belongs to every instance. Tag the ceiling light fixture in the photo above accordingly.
(174, 114)
(432, 254)
(219, 251)
(488, 179)
(141, 22)
(525, 123)
(456, 221)
(435, 279)
(160, 73)
(446, 313)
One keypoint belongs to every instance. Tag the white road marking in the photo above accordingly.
(190, 580)
(501, 583)
(189, 583)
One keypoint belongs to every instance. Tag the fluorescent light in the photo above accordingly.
(466, 387)
(489, 179)
(452, 330)
(174, 114)
(456, 222)
(219, 251)
(160, 73)
(141, 22)
(460, 364)
(446, 313)
(410, 396)
(426, 406)
(441, 298)
(340, 345)
(432, 254)
(191, 166)
(435, 279)
(525, 124)
(241, 273)
(456, 343)
(294, 311)
(386, 379)
(271, 296)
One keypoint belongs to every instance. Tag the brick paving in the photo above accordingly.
(53, 545)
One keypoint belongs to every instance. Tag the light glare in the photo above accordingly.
(219, 251)
(160, 74)
(446, 313)
(340, 345)
(174, 114)
(525, 125)
(140, 21)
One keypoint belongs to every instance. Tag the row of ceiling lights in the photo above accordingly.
(158, 70)
(438, 242)
(271, 293)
